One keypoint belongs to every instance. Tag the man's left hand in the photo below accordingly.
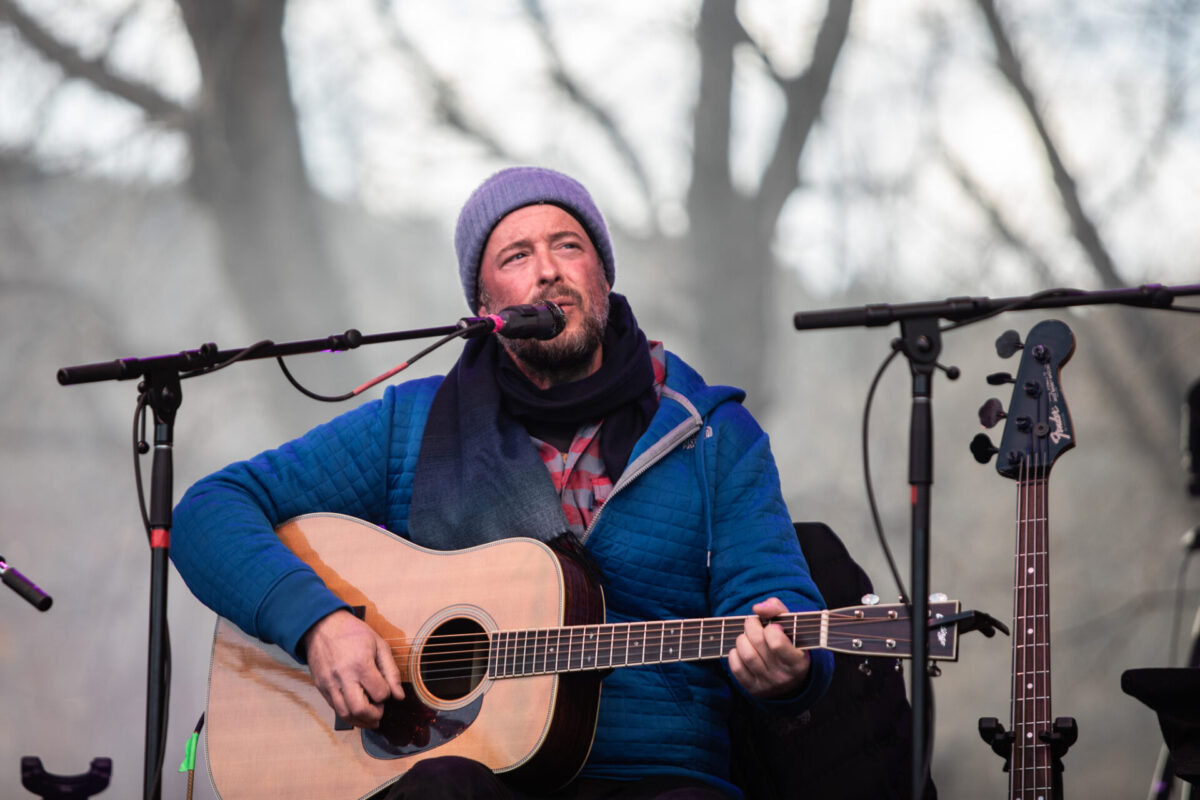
(764, 660)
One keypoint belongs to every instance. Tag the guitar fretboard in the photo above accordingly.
(586, 647)
(1030, 770)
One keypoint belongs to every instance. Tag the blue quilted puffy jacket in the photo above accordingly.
(695, 527)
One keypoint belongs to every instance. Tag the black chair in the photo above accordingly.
(855, 742)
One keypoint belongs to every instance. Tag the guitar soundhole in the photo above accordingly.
(454, 659)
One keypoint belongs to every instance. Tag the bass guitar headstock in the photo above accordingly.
(1038, 425)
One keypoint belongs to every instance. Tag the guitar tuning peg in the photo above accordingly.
(870, 599)
(983, 449)
(1000, 378)
(1008, 343)
(865, 668)
(934, 670)
(990, 413)
(939, 597)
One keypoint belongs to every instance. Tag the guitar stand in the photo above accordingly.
(65, 787)
(1063, 734)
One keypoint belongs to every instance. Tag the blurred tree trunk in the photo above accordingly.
(731, 232)
(248, 169)
(247, 165)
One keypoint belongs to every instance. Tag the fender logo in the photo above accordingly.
(1057, 434)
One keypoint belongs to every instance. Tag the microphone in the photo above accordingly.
(24, 587)
(543, 320)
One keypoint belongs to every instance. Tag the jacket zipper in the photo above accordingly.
(676, 436)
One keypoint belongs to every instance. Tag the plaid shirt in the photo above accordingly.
(578, 474)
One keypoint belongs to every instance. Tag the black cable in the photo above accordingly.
(238, 356)
(1060, 292)
(866, 460)
(463, 332)
(313, 395)
(140, 448)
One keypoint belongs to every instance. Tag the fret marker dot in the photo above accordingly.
(671, 650)
(1029, 735)
(1030, 570)
(1029, 686)
(1029, 631)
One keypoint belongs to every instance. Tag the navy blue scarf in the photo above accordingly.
(479, 478)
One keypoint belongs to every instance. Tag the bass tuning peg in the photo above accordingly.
(983, 449)
(1008, 343)
(1000, 378)
(990, 413)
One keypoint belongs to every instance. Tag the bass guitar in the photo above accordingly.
(1037, 431)
(507, 673)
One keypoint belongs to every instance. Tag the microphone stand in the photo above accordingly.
(162, 392)
(921, 343)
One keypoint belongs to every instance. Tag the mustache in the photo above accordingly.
(562, 293)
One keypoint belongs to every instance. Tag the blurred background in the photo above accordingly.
(187, 171)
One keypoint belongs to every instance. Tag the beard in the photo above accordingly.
(567, 356)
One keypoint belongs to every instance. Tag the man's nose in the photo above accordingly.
(548, 269)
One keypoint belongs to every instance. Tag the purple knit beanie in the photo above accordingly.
(505, 192)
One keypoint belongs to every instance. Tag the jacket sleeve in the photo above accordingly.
(754, 551)
(223, 539)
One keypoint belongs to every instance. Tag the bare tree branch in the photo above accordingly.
(447, 105)
(1163, 381)
(1173, 112)
(1101, 353)
(996, 218)
(1081, 223)
(805, 95)
(584, 100)
(94, 70)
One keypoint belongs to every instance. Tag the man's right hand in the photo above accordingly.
(353, 667)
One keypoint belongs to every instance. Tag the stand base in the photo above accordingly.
(65, 787)
(1063, 734)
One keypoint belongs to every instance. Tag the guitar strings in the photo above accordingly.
(690, 635)
(474, 650)
(1033, 543)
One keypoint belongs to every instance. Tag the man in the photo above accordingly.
(667, 484)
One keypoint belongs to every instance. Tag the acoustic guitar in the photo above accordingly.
(506, 673)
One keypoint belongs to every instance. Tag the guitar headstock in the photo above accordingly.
(1038, 425)
(885, 630)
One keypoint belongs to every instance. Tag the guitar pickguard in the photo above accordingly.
(409, 726)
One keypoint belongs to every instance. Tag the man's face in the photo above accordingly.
(541, 252)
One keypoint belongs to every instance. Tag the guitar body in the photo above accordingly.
(269, 732)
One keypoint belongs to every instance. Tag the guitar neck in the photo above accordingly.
(881, 630)
(586, 647)
(1030, 774)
